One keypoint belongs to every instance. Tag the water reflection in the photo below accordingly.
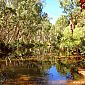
(55, 75)
(41, 72)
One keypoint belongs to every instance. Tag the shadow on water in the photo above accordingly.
(40, 72)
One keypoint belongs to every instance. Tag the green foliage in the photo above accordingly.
(21, 21)
(69, 5)
(62, 22)
(24, 27)
(72, 41)
(69, 41)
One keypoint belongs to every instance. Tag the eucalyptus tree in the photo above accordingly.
(57, 32)
(69, 6)
(20, 20)
(72, 9)
(75, 20)
(46, 34)
(74, 43)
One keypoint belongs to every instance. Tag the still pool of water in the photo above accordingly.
(41, 73)
(55, 75)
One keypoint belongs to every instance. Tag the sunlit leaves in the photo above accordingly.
(62, 22)
(74, 40)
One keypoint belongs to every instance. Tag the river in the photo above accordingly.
(49, 71)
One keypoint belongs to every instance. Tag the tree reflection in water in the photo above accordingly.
(35, 72)
(24, 72)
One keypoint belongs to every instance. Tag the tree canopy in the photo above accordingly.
(25, 28)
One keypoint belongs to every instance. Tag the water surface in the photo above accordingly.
(34, 72)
